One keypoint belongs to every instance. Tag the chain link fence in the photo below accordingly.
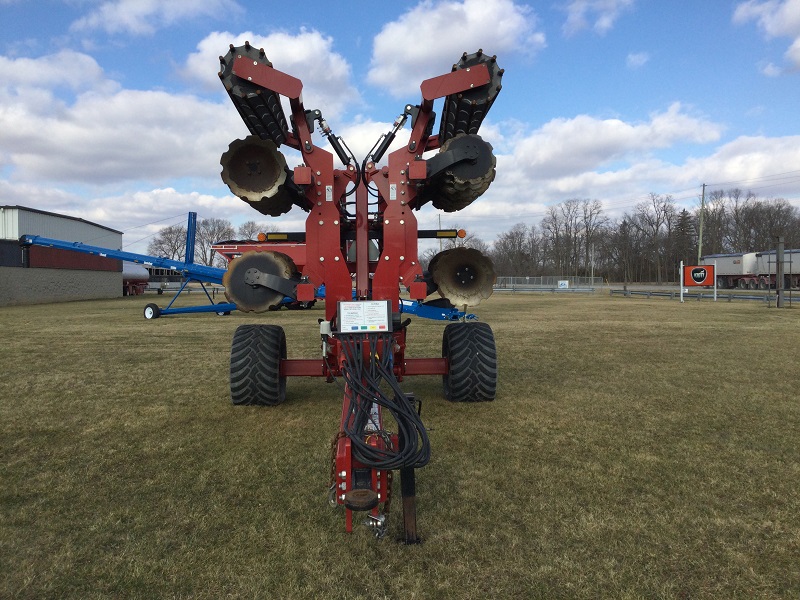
(547, 282)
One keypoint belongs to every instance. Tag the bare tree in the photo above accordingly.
(517, 252)
(249, 230)
(653, 219)
(210, 231)
(561, 231)
(169, 242)
(740, 226)
(775, 218)
(715, 224)
(593, 221)
(625, 250)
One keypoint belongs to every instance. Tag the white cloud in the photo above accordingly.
(42, 197)
(308, 56)
(448, 28)
(793, 53)
(130, 135)
(144, 17)
(64, 69)
(146, 207)
(636, 60)
(140, 214)
(600, 15)
(776, 19)
(104, 134)
(771, 70)
(569, 166)
(582, 143)
(749, 158)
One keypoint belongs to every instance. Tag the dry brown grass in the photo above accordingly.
(637, 448)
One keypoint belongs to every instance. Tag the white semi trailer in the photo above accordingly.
(754, 270)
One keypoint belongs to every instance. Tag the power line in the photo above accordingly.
(794, 175)
(129, 244)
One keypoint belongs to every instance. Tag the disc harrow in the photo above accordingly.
(360, 245)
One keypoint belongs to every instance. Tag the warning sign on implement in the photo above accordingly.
(698, 275)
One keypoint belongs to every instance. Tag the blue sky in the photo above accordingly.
(112, 110)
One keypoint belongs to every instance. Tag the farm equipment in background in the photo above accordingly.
(188, 269)
(361, 243)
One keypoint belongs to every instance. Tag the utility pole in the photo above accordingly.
(440, 239)
(700, 228)
(779, 270)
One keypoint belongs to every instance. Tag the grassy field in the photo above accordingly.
(637, 449)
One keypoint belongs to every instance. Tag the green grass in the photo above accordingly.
(637, 449)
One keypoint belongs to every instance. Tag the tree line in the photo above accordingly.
(577, 238)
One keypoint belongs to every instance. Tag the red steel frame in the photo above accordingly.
(324, 260)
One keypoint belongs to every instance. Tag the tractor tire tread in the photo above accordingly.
(472, 354)
(256, 354)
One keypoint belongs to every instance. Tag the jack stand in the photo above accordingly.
(408, 490)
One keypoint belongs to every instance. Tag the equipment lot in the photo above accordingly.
(637, 448)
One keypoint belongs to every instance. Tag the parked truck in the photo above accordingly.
(134, 279)
(754, 270)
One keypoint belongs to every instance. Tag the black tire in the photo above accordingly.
(151, 311)
(472, 356)
(256, 354)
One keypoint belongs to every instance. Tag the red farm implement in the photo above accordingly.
(361, 244)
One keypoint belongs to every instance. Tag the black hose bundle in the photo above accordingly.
(363, 379)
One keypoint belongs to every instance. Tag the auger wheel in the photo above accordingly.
(472, 355)
(256, 354)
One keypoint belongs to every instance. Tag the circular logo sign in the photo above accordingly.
(699, 274)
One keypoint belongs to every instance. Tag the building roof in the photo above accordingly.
(60, 216)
